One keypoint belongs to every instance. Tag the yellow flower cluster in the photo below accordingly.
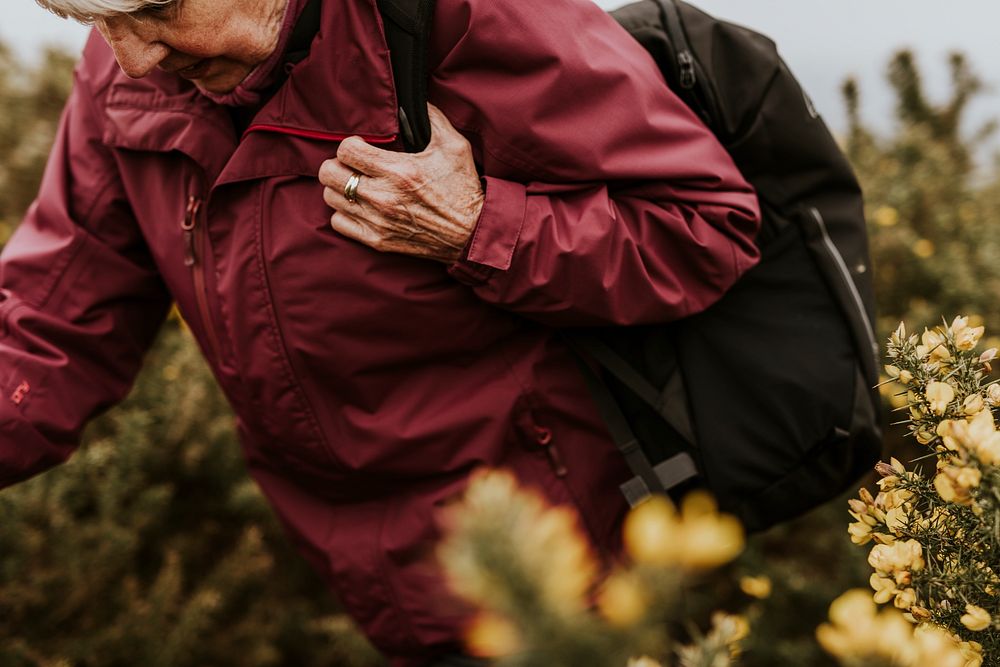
(894, 565)
(882, 517)
(933, 349)
(966, 337)
(657, 535)
(933, 533)
(541, 546)
(858, 632)
(526, 565)
(721, 646)
(976, 434)
(954, 483)
(976, 618)
(730, 630)
(492, 635)
(967, 444)
(696, 538)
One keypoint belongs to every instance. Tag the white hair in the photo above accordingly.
(87, 11)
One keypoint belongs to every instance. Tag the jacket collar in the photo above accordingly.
(343, 88)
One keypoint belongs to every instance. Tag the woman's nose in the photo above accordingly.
(137, 54)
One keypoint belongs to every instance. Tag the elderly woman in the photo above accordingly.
(383, 323)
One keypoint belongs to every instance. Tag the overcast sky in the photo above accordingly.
(823, 41)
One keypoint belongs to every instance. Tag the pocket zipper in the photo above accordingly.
(194, 248)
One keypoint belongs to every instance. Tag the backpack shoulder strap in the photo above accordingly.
(407, 26)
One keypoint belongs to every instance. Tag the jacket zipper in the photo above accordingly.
(194, 249)
(846, 275)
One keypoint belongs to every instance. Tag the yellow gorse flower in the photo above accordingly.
(492, 636)
(924, 248)
(993, 395)
(939, 395)
(622, 599)
(731, 630)
(973, 404)
(644, 661)
(977, 435)
(758, 587)
(696, 538)
(965, 337)
(933, 346)
(543, 544)
(976, 618)
(858, 633)
(954, 483)
(899, 556)
(886, 216)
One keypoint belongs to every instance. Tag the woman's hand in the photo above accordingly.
(424, 204)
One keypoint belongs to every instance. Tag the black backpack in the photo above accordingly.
(767, 398)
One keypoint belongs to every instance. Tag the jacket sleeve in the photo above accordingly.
(80, 301)
(607, 200)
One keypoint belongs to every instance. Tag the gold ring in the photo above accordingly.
(351, 189)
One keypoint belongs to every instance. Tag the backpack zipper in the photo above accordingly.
(704, 102)
(688, 76)
(845, 273)
(194, 249)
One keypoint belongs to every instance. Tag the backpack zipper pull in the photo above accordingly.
(688, 77)
(190, 220)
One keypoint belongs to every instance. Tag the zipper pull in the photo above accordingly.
(688, 77)
(188, 225)
(544, 438)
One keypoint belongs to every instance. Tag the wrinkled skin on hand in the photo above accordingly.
(423, 204)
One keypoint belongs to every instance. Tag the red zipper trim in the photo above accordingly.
(310, 134)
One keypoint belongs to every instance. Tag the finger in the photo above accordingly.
(353, 228)
(368, 195)
(356, 153)
(334, 174)
(337, 200)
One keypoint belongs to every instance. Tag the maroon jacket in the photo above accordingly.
(368, 385)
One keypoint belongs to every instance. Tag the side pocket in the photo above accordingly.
(826, 471)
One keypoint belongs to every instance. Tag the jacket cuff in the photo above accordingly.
(493, 241)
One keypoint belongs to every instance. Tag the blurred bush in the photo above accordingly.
(933, 215)
(31, 100)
